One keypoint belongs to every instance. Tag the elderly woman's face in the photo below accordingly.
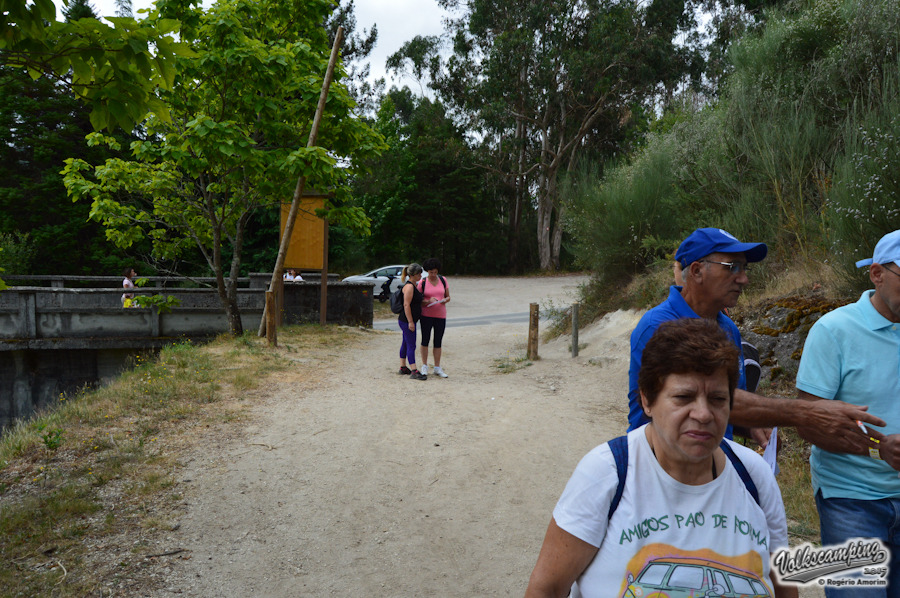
(690, 415)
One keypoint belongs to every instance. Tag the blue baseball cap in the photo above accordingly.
(886, 251)
(705, 241)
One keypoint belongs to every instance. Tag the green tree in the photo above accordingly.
(546, 82)
(115, 67)
(425, 195)
(800, 150)
(241, 109)
(42, 124)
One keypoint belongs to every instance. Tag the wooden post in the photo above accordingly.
(575, 309)
(271, 327)
(323, 301)
(301, 181)
(533, 332)
(279, 302)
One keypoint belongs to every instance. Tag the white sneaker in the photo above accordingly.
(424, 369)
(439, 372)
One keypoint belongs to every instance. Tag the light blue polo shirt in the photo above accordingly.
(853, 354)
(673, 308)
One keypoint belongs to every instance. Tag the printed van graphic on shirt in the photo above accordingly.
(664, 571)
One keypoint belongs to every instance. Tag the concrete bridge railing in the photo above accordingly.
(55, 340)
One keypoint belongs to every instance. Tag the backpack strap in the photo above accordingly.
(443, 282)
(742, 471)
(619, 448)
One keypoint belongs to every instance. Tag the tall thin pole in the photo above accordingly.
(301, 181)
(323, 296)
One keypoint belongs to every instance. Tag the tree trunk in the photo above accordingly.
(233, 313)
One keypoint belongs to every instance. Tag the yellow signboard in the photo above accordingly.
(308, 239)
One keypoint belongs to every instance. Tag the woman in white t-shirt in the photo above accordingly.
(684, 520)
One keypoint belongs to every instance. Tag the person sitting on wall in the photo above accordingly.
(127, 283)
(292, 276)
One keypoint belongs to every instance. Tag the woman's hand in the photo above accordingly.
(412, 327)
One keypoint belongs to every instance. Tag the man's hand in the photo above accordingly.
(889, 447)
(761, 436)
(832, 426)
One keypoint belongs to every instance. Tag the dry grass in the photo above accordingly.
(87, 490)
(382, 310)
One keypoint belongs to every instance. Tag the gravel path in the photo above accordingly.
(368, 484)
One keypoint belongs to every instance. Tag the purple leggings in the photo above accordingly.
(408, 346)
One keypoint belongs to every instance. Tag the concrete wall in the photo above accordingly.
(31, 380)
(55, 340)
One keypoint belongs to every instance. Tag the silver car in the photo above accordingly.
(378, 278)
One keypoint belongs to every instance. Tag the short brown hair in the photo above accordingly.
(685, 346)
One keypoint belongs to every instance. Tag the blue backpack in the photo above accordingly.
(619, 448)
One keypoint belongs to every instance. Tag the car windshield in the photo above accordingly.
(760, 589)
(654, 574)
(741, 585)
(686, 576)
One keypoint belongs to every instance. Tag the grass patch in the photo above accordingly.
(382, 310)
(796, 486)
(511, 363)
(80, 482)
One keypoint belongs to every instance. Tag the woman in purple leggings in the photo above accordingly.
(412, 311)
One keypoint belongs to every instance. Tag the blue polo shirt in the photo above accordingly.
(673, 308)
(852, 354)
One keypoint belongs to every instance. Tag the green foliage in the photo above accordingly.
(801, 142)
(425, 195)
(546, 84)
(864, 203)
(115, 67)
(242, 105)
(162, 303)
(16, 253)
(625, 223)
(41, 125)
(52, 437)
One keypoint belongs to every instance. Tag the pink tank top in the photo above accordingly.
(437, 292)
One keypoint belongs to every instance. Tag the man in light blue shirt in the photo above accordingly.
(853, 354)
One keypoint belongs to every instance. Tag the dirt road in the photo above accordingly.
(369, 484)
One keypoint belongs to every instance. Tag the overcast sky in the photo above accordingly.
(398, 22)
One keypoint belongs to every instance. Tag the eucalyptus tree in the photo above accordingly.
(357, 47)
(242, 107)
(544, 83)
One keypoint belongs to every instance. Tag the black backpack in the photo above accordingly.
(397, 299)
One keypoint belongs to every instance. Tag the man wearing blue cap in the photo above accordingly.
(853, 354)
(714, 269)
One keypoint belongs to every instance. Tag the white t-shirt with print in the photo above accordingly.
(660, 518)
